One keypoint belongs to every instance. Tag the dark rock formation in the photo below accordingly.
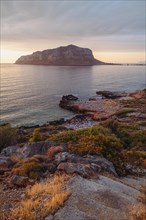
(86, 166)
(57, 122)
(62, 56)
(31, 149)
(5, 162)
(85, 170)
(9, 151)
(42, 147)
(111, 95)
(66, 102)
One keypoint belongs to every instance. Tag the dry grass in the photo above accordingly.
(42, 199)
(15, 158)
(3, 215)
(110, 102)
(54, 150)
(1, 195)
(142, 197)
(138, 212)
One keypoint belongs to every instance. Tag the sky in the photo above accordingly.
(113, 29)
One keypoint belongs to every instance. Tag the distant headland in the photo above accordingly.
(70, 55)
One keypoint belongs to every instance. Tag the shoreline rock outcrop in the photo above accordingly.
(70, 55)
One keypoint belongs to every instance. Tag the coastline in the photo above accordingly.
(92, 111)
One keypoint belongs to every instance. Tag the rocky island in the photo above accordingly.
(70, 55)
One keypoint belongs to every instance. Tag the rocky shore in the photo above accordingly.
(102, 150)
(121, 105)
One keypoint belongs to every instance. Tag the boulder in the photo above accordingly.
(5, 162)
(11, 150)
(85, 170)
(85, 166)
(57, 122)
(69, 98)
(67, 102)
(101, 198)
(42, 147)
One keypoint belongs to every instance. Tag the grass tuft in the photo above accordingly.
(43, 198)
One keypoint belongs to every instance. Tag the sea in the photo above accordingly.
(30, 94)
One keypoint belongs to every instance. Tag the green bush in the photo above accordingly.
(7, 136)
(96, 140)
(28, 167)
(135, 158)
(116, 141)
(129, 133)
(122, 112)
(36, 135)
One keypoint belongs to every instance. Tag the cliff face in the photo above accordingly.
(70, 55)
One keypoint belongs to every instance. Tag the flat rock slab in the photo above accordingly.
(99, 199)
(133, 181)
(109, 106)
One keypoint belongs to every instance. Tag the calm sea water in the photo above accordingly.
(30, 94)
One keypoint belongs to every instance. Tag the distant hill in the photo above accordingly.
(70, 55)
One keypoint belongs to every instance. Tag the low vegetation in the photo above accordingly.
(122, 112)
(42, 199)
(138, 212)
(30, 167)
(121, 143)
(36, 135)
(7, 136)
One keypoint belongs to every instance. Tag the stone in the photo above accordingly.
(69, 98)
(7, 207)
(70, 55)
(11, 150)
(20, 181)
(42, 147)
(85, 170)
(67, 101)
(57, 122)
(134, 170)
(85, 166)
(50, 217)
(5, 162)
(101, 198)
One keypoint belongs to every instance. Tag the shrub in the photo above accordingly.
(7, 136)
(134, 157)
(121, 143)
(28, 167)
(129, 133)
(122, 112)
(36, 136)
(96, 140)
(138, 212)
(85, 145)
